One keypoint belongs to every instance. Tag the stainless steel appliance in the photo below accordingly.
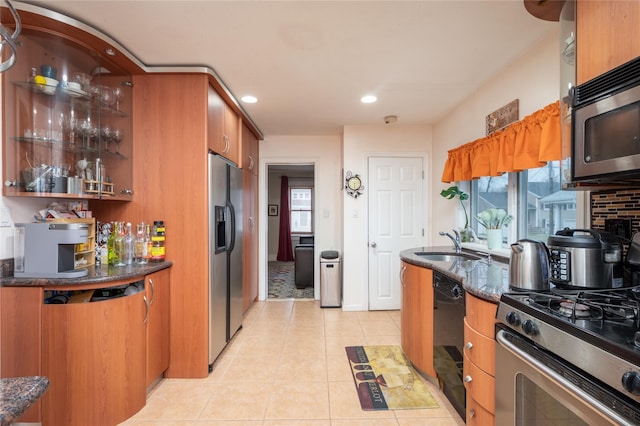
(47, 250)
(605, 125)
(225, 253)
(448, 338)
(585, 258)
(529, 265)
(568, 357)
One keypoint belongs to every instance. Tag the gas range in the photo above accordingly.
(597, 331)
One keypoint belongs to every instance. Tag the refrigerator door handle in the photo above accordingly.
(232, 217)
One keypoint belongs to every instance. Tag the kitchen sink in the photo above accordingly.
(446, 257)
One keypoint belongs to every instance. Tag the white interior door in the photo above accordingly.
(396, 222)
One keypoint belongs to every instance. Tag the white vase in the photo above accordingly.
(494, 238)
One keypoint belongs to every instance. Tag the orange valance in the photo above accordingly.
(525, 144)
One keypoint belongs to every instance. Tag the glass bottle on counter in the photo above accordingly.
(141, 245)
(158, 240)
(148, 243)
(128, 245)
(119, 244)
(112, 256)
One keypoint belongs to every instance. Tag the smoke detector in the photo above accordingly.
(390, 119)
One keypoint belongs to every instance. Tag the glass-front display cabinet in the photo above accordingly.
(67, 129)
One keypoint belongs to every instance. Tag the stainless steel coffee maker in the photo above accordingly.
(47, 249)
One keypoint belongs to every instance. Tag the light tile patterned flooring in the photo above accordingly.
(287, 366)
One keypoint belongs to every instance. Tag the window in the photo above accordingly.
(543, 206)
(300, 200)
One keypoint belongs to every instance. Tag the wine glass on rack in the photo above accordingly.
(85, 131)
(118, 135)
(118, 93)
(107, 134)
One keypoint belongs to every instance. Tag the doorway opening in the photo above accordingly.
(290, 250)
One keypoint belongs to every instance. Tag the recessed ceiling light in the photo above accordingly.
(249, 99)
(368, 99)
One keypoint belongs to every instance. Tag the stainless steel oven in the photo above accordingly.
(568, 357)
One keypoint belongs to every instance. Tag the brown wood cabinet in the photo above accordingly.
(20, 330)
(94, 356)
(479, 360)
(223, 131)
(250, 151)
(157, 287)
(250, 244)
(170, 184)
(416, 318)
(607, 34)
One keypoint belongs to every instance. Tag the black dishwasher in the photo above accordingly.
(448, 337)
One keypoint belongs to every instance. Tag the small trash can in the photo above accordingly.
(330, 279)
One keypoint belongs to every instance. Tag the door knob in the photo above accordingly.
(373, 245)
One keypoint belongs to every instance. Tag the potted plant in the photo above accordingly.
(493, 220)
(452, 192)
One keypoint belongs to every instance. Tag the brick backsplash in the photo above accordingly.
(622, 204)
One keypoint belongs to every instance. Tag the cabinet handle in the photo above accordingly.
(146, 313)
(251, 223)
(225, 138)
(250, 163)
(467, 379)
(127, 191)
(153, 291)
(468, 346)
(472, 413)
(9, 183)
(403, 269)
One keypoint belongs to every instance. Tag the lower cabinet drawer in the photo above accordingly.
(480, 349)
(480, 386)
(477, 415)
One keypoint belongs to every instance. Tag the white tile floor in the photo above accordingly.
(288, 366)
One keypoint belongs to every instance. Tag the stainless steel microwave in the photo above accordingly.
(606, 125)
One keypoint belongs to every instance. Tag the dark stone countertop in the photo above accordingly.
(17, 394)
(485, 281)
(98, 274)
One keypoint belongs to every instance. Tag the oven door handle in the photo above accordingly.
(552, 375)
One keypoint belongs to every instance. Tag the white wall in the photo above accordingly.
(534, 80)
(325, 153)
(360, 143)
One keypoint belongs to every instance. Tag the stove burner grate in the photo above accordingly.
(606, 304)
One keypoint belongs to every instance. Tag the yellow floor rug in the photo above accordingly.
(385, 379)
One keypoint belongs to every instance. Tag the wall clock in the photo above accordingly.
(353, 185)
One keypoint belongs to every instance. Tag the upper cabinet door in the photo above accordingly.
(67, 125)
(223, 128)
(607, 35)
(250, 151)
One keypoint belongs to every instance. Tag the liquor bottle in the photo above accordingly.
(112, 256)
(148, 242)
(158, 247)
(141, 244)
(129, 247)
(119, 244)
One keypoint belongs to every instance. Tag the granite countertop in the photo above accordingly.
(17, 394)
(98, 274)
(478, 277)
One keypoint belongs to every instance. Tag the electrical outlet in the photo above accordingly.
(5, 217)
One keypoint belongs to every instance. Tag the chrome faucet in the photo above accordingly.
(456, 240)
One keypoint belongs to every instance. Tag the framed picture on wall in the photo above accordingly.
(273, 210)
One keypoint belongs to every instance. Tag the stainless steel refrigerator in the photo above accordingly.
(225, 253)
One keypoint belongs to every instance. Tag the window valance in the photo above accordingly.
(525, 144)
